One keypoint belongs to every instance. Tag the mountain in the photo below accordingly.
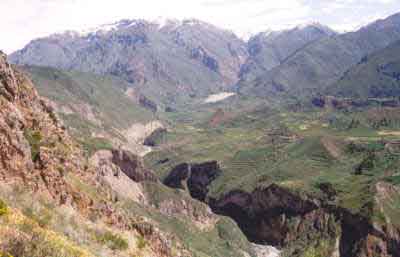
(323, 62)
(269, 49)
(375, 76)
(173, 61)
(55, 201)
(228, 175)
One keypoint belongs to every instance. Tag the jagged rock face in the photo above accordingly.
(109, 174)
(265, 214)
(194, 177)
(33, 144)
(199, 213)
(278, 217)
(132, 166)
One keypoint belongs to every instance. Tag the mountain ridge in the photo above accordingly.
(322, 63)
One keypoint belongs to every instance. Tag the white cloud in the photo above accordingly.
(23, 20)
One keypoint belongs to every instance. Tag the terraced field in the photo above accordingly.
(304, 150)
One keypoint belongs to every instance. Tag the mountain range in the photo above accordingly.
(182, 139)
(175, 62)
(167, 63)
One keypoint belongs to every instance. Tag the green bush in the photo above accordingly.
(3, 208)
(113, 241)
(34, 139)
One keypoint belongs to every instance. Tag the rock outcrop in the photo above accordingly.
(295, 221)
(132, 166)
(193, 177)
(109, 174)
(279, 217)
(156, 137)
(34, 147)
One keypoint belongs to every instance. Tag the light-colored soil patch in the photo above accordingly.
(218, 97)
(304, 127)
(138, 131)
(331, 147)
(389, 133)
(136, 135)
(265, 251)
(111, 175)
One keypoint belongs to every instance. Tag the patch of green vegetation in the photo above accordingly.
(34, 139)
(395, 180)
(251, 156)
(3, 254)
(92, 145)
(113, 241)
(318, 246)
(3, 208)
(141, 242)
(43, 217)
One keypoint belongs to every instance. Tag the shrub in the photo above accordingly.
(113, 241)
(42, 217)
(3, 208)
(34, 139)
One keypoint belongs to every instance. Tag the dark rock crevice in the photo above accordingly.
(194, 177)
(278, 217)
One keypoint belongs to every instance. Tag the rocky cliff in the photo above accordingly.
(299, 222)
(277, 216)
(193, 177)
(38, 158)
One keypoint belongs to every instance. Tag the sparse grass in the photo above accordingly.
(104, 94)
(43, 217)
(21, 236)
(113, 241)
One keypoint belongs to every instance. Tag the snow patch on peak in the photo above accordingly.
(310, 24)
(162, 22)
(105, 28)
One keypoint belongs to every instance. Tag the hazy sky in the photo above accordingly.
(24, 20)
